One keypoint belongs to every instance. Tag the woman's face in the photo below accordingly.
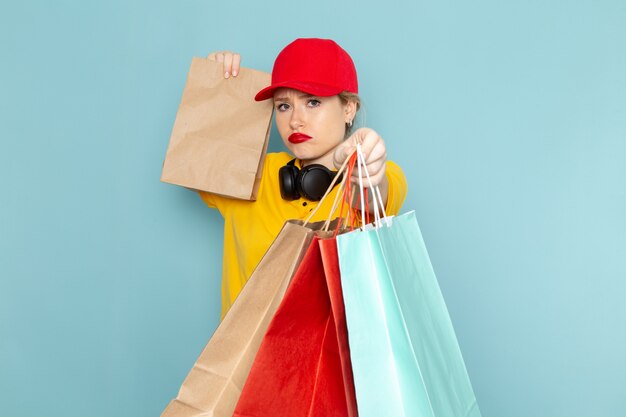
(310, 126)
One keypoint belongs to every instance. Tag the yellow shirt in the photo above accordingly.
(251, 226)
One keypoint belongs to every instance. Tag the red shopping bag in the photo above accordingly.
(330, 259)
(303, 365)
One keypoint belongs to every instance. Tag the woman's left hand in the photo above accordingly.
(375, 153)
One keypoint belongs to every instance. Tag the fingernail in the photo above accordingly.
(226, 74)
(235, 73)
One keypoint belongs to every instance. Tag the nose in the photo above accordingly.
(297, 119)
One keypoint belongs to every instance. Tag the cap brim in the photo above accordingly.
(314, 89)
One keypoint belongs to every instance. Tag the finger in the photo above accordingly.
(375, 167)
(376, 175)
(377, 157)
(211, 56)
(370, 141)
(372, 169)
(351, 142)
(228, 64)
(379, 152)
(342, 151)
(358, 135)
(348, 150)
(219, 56)
(236, 63)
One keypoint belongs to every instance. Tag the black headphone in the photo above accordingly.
(310, 182)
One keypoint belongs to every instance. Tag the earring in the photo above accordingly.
(350, 123)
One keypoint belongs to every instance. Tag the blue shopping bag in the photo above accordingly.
(405, 356)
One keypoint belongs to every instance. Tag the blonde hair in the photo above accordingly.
(346, 97)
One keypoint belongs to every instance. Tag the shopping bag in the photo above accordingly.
(220, 134)
(330, 259)
(405, 356)
(302, 367)
(214, 384)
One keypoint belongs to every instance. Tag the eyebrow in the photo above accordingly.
(285, 98)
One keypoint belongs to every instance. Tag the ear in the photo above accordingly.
(349, 111)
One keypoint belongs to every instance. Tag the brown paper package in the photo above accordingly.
(220, 135)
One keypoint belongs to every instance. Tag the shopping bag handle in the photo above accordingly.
(344, 192)
(344, 188)
(377, 199)
(342, 185)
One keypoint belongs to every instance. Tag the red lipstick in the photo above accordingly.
(298, 137)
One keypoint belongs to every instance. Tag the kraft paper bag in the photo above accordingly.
(216, 380)
(220, 134)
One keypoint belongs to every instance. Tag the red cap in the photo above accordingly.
(315, 66)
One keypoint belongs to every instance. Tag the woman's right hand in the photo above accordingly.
(230, 59)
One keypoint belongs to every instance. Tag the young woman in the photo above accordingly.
(315, 93)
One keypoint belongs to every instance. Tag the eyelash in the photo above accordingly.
(310, 103)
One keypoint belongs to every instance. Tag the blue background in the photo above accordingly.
(509, 119)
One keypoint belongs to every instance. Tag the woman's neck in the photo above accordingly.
(326, 160)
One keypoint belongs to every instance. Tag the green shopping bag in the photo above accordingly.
(405, 356)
